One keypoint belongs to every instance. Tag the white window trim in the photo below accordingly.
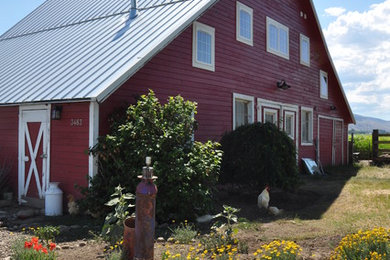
(304, 38)
(245, 98)
(274, 112)
(210, 30)
(323, 73)
(279, 26)
(239, 7)
(307, 109)
(289, 113)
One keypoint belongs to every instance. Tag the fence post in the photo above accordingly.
(375, 145)
(350, 149)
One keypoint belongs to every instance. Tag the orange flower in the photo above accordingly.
(52, 246)
(44, 250)
(27, 244)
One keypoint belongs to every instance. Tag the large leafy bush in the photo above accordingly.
(187, 171)
(259, 154)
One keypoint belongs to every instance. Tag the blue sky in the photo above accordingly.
(358, 36)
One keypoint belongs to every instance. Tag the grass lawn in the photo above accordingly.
(348, 199)
(319, 214)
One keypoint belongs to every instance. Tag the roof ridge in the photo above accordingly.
(64, 26)
(89, 20)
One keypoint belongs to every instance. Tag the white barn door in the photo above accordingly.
(34, 127)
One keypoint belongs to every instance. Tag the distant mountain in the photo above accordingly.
(366, 124)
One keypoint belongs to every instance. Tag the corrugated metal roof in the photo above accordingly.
(85, 49)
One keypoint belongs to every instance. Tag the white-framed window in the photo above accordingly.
(323, 84)
(306, 126)
(243, 110)
(270, 116)
(277, 38)
(203, 46)
(289, 124)
(244, 22)
(305, 50)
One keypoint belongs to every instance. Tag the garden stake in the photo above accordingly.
(145, 209)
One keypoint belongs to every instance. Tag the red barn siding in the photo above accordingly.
(68, 146)
(239, 68)
(325, 141)
(9, 121)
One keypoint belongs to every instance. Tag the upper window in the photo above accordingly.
(277, 38)
(289, 124)
(203, 46)
(305, 50)
(323, 84)
(271, 116)
(306, 126)
(243, 110)
(244, 21)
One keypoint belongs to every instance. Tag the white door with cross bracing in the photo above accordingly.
(34, 135)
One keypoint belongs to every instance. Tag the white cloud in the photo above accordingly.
(335, 11)
(359, 43)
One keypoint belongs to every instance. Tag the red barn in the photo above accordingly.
(66, 66)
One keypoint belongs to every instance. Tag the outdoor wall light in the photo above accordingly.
(56, 112)
(332, 107)
(282, 84)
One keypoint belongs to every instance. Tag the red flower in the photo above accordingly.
(37, 247)
(27, 244)
(52, 246)
(44, 250)
(34, 240)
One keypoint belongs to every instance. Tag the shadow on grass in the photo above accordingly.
(310, 201)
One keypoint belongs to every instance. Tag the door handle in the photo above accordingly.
(43, 156)
(26, 158)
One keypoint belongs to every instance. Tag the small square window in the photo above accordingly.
(305, 50)
(203, 46)
(243, 110)
(323, 84)
(277, 38)
(244, 21)
(306, 126)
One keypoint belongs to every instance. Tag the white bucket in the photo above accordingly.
(53, 200)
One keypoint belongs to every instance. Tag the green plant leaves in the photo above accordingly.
(187, 171)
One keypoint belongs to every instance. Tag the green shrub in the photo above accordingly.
(259, 154)
(112, 230)
(187, 171)
(46, 233)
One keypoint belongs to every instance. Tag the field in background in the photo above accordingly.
(363, 145)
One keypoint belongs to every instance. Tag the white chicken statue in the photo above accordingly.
(263, 202)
